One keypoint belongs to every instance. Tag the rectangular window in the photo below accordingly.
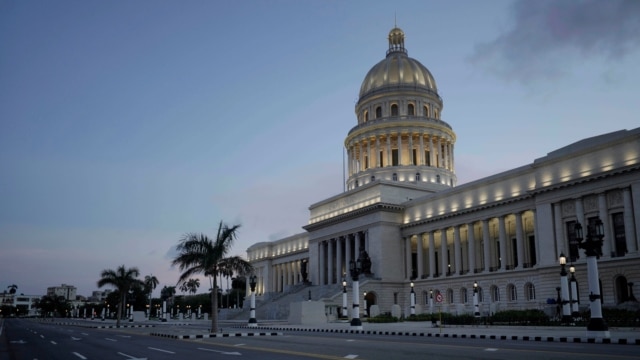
(573, 243)
(532, 251)
(514, 252)
(381, 161)
(427, 158)
(366, 162)
(394, 157)
(415, 157)
(618, 234)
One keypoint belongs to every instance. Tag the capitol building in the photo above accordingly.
(403, 209)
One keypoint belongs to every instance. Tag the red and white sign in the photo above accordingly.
(439, 297)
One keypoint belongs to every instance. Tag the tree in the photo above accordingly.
(123, 280)
(193, 285)
(52, 305)
(167, 292)
(150, 284)
(12, 288)
(199, 254)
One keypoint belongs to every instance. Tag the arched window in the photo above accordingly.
(356, 183)
(480, 295)
(512, 293)
(438, 179)
(435, 114)
(366, 116)
(425, 111)
(463, 296)
(417, 177)
(529, 291)
(411, 110)
(395, 177)
(373, 178)
(450, 296)
(495, 293)
(378, 112)
(394, 110)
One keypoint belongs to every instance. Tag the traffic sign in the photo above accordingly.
(438, 297)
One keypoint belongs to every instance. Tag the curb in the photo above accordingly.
(204, 336)
(563, 339)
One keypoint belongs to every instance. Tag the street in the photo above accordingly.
(29, 340)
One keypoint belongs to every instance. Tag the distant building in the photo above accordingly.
(25, 304)
(68, 292)
(99, 296)
(403, 210)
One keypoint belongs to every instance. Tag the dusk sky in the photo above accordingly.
(126, 124)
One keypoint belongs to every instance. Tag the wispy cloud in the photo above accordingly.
(547, 36)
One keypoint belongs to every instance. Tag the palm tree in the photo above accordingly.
(12, 288)
(199, 254)
(150, 284)
(193, 285)
(123, 280)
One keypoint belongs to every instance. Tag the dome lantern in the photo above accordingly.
(396, 41)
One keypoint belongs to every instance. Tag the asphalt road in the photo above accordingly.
(28, 340)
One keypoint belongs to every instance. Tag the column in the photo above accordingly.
(432, 255)
(376, 150)
(347, 250)
(451, 157)
(457, 261)
(361, 167)
(420, 271)
(503, 243)
(519, 240)
(322, 265)
(358, 244)
(339, 259)
(485, 245)
(444, 263)
(389, 149)
(411, 159)
(407, 253)
(471, 240)
(421, 157)
(440, 154)
(629, 234)
(445, 163)
(608, 243)
(561, 244)
(330, 262)
(399, 148)
(431, 152)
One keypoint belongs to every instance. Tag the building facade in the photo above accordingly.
(68, 292)
(404, 210)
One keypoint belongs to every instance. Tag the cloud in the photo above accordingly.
(547, 35)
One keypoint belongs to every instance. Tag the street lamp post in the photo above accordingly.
(355, 268)
(476, 307)
(564, 290)
(344, 298)
(431, 301)
(574, 292)
(592, 246)
(413, 300)
(252, 309)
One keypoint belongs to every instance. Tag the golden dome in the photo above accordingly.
(397, 71)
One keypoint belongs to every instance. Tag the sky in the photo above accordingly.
(126, 124)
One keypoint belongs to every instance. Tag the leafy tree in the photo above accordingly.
(123, 280)
(12, 288)
(52, 305)
(193, 285)
(150, 284)
(167, 292)
(199, 254)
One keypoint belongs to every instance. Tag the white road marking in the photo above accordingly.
(156, 349)
(85, 334)
(124, 336)
(75, 338)
(131, 357)
(490, 349)
(350, 340)
(239, 345)
(42, 336)
(351, 356)
(110, 339)
(54, 343)
(78, 355)
(18, 342)
(221, 352)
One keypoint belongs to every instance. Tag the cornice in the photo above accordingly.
(354, 214)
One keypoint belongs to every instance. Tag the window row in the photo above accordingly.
(466, 296)
(411, 111)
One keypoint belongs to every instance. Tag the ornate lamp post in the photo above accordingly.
(252, 310)
(592, 246)
(355, 268)
(476, 307)
(413, 300)
(574, 292)
(564, 290)
(344, 298)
